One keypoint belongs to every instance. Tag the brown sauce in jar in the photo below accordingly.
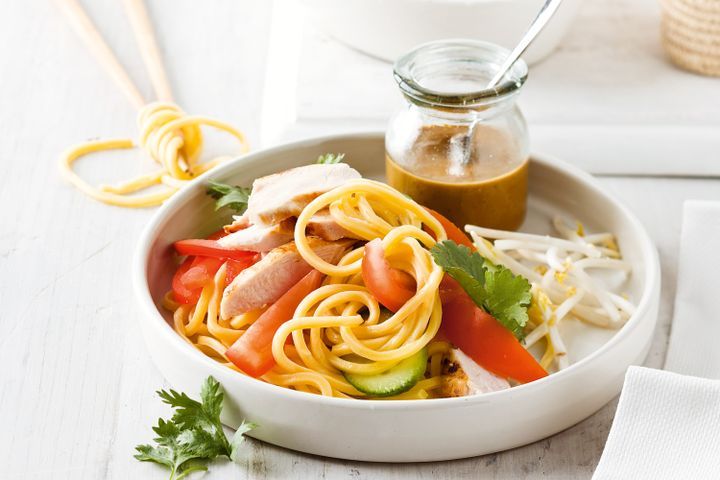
(489, 190)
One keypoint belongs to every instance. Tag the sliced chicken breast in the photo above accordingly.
(465, 377)
(282, 195)
(259, 238)
(267, 280)
(239, 222)
(323, 225)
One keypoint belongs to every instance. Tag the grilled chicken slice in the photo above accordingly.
(262, 238)
(465, 377)
(282, 195)
(323, 225)
(259, 238)
(267, 280)
(239, 222)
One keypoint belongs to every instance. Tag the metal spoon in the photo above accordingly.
(546, 12)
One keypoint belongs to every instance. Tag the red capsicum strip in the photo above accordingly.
(252, 352)
(481, 337)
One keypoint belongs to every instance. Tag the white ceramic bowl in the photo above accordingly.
(405, 431)
(390, 28)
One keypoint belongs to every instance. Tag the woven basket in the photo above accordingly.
(691, 34)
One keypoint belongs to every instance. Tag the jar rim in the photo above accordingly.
(440, 57)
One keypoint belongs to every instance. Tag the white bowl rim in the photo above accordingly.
(142, 291)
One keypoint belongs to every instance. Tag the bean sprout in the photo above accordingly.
(558, 269)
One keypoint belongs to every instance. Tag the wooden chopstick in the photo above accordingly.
(145, 37)
(94, 41)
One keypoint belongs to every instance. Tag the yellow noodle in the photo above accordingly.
(227, 336)
(340, 327)
(171, 138)
(437, 352)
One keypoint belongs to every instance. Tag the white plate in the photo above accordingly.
(420, 430)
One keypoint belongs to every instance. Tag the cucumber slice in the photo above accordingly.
(400, 378)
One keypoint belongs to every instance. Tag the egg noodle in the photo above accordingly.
(171, 138)
(340, 327)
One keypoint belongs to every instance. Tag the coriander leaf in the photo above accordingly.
(192, 465)
(330, 158)
(231, 196)
(205, 415)
(493, 288)
(194, 434)
(508, 298)
(203, 443)
(211, 394)
(238, 439)
(161, 455)
(464, 265)
(175, 449)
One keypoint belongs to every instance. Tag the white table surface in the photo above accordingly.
(76, 384)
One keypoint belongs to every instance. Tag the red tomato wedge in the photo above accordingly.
(210, 248)
(205, 257)
(252, 352)
(452, 231)
(196, 272)
(217, 235)
(390, 286)
(181, 292)
(201, 272)
(234, 267)
(480, 336)
(450, 289)
(191, 276)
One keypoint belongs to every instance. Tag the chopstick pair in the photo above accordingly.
(172, 138)
(145, 38)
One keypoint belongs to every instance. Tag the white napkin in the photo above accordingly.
(667, 426)
(695, 331)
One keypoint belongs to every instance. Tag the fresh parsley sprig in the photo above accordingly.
(493, 288)
(194, 435)
(232, 196)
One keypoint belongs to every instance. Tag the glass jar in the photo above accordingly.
(457, 146)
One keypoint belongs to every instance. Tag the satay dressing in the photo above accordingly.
(458, 147)
(490, 193)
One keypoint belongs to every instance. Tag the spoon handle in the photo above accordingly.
(546, 12)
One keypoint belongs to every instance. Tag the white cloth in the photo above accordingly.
(695, 331)
(667, 425)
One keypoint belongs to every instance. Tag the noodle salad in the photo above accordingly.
(328, 283)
